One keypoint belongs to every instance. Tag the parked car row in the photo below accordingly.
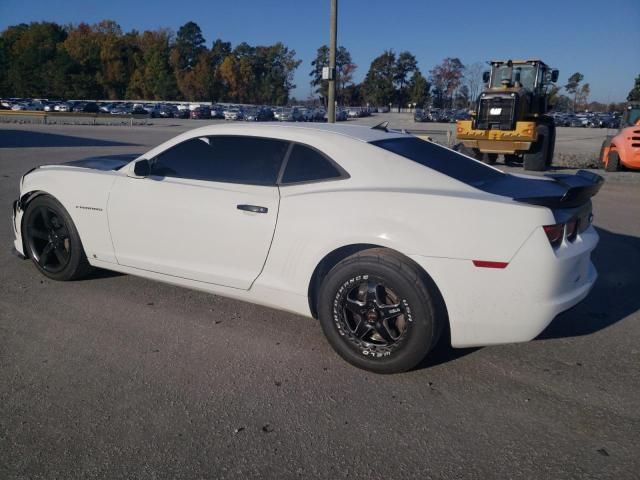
(587, 120)
(47, 106)
(251, 113)
(359, 112)
(440, 115)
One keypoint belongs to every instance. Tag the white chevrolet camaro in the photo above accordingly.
(387, 239)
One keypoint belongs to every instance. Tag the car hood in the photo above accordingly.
(110, 162)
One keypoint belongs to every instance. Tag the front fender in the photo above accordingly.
(84, 194)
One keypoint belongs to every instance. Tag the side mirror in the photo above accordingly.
(142, 168)
(555, 73)
(485, 76)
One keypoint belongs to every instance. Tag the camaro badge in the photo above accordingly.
(89, 208)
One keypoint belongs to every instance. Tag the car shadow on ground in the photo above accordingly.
(99, 274)
(615, 295)
(443, 352)
(25, 138)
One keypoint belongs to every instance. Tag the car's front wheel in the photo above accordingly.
(379, 312)
(52, 241)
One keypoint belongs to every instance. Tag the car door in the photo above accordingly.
(207, 210)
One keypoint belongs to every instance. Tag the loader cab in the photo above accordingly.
(521, 87)
(532, 76)
(631, 115)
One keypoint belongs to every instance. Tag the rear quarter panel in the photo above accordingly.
(315, 220)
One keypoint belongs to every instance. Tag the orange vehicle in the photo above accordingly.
(623, 150)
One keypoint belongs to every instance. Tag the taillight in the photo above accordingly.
(554, 234)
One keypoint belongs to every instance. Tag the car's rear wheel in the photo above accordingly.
(613, 161)
(52, 241)
(379, 311)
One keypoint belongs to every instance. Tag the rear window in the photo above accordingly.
(441, 159)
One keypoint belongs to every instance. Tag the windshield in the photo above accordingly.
(524, 74)
(632, 116)
(443, 160)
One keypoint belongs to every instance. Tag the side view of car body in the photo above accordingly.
(366, 229)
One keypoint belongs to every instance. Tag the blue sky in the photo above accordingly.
(599, 39)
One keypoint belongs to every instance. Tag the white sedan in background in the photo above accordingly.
(387, 239)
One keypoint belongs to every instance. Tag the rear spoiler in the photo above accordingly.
(579, 189)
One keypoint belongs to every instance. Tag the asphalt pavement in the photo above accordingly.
(120, 377)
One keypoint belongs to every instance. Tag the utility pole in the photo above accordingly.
(333, 34)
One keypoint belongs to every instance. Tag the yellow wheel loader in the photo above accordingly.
(510, 116)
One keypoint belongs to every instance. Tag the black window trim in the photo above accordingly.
(344, 175)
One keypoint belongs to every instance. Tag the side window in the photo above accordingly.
(229, 159)
(186, 160)
(306, 164)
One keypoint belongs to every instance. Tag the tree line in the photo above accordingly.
(100, 61)
(396, 80)
(47, 60)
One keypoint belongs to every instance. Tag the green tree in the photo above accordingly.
(82, 47)
(188, 46)
(572, 86)
(115, 52)
(229, 77)
(406, 64)
(276, 80)
(219, 51)
(634, 94)
(101, 61)
(185, 54)
(152, 76)
(462, 97)
(345, 69)
(418, 89)
(378, 86)
(582, 96)
(352, 94)
(446, 78)
(4, 65)
(30, 56)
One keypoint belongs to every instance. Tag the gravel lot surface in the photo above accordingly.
(120, 377)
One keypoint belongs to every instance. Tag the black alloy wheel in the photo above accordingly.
(51, 240)
(380, 311)
(373, 316)
(48, 239)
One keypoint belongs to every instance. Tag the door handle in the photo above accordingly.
(253, 208)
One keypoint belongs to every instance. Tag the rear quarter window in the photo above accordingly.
(440, 159)
(308, 165)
